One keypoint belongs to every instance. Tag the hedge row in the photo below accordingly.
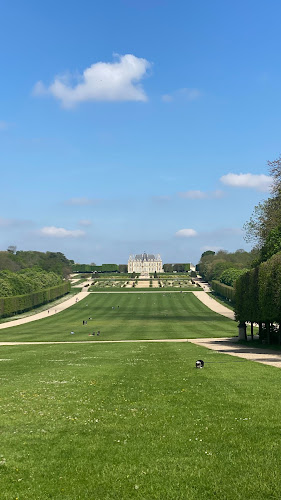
(258, 293)
(88, 268)
(21, 303)
(225, 291)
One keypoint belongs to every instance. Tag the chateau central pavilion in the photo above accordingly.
(145, 263)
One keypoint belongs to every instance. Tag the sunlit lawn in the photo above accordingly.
(128, 316)
(137, 421)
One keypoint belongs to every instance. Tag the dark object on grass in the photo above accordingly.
(199, 363)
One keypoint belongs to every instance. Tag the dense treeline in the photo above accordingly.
(225, 291)
(176, 268)
(258, 297)
(56, 262)
(104, 268)
(21, 303)
(26, 281)
(225, 266)
(258, 292)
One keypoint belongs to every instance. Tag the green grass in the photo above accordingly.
(137, 421)
(139, 316)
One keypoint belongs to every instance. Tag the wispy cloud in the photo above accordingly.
(200, 195)
(116, 81)
(81, 201)
(13, 222)
(186, 233)
(161, 198)
(60, 232)
(85, 222)
(184, 94)
(259, 182)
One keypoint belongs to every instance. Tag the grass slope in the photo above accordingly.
(139, 316)
(137, 422)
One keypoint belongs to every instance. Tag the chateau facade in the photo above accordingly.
(145, 264)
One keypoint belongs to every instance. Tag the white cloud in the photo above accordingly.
(210, 247)
(193, 195)
(81, 201)
(259, 182)
(167, 98)
(60, 232)
(116, 81)
(85, 222)
(199, 195)
(186, 233)
(185, 94)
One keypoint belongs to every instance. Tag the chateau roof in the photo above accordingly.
(145, 257)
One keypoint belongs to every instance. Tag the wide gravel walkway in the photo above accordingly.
(49, 312)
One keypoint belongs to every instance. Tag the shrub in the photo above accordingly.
(224, 290)
(21, 303)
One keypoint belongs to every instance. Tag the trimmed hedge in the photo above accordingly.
(88, 268)
(258, 293)
(21, 303)
(225, 291)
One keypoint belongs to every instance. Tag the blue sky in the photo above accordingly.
(136, 125)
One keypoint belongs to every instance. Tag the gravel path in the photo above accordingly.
(49, 312)
(214, 305)
(230, 346)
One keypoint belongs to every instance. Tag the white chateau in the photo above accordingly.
(145, 263)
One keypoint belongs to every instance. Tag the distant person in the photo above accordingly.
(98, 332)
(93, 334)
(48, 311)
(71, 333)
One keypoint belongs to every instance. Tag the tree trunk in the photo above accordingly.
(267, 324)
(260, 330)
(252, 331)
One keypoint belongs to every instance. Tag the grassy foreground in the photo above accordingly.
(137, 421)
(128, 316)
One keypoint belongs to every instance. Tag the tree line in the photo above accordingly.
(258, 291)
(26, 281)
(13, 260)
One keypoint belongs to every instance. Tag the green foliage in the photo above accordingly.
(88, 268)
(49, 261)
(123, 268)
(258, 293)
(230, 275)
(207, 253)
(20, 303)
(212, 266)
(267, 214)
(26, 281)
(179, 268)
(168, 268)
(224, 290)
(272, 244)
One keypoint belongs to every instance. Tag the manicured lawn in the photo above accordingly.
(139, 316)
(137, 421)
